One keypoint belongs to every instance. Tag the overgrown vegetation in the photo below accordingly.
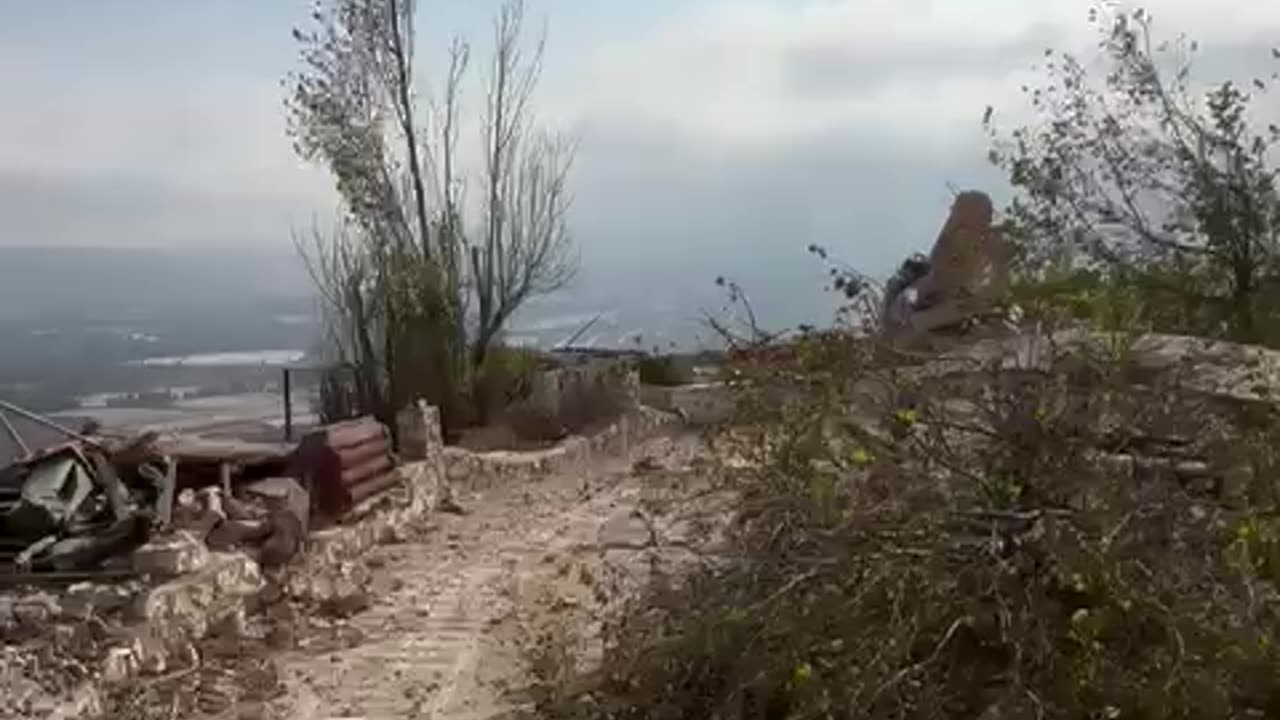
(1064, 537)
(1069, 523)
(1137, 182)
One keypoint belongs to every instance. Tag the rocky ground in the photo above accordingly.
(472, 615)
(465, 616)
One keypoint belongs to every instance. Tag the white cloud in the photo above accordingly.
(748, 72)
(671, 112)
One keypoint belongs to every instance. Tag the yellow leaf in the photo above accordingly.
(860, 457)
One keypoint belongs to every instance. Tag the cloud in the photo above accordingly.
(104, 208)
(744, 130)
(718, 128)
(164, 127)
(752, 72)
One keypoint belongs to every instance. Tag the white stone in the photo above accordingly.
(120, 664)
(177, 554)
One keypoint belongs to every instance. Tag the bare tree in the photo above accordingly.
(526, 249)
(398, 273)
(390, 272)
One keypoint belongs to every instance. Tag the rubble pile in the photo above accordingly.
(87, 508)
(98, 506)
(118, 553)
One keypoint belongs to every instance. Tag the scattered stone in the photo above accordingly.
(120, 665)
(36, 610)
(86, 599)
(625, 530)
(253, 711)
(646, 465)
(180, 553)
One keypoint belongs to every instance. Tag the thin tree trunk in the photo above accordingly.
(403, 78)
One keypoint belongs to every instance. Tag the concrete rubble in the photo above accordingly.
(128, 556)
(118, 555)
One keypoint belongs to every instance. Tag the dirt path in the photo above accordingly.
(456, 613)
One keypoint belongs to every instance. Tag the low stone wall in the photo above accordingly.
(555, 391)
(699, 404)
(471, 471)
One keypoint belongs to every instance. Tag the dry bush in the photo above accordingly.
(584, 403)
(505, 378)
(667, 370)
(1063, 538)
(594, 400)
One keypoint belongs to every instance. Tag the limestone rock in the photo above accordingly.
(120, 665)
(967, 275)
(625, 530)
(83, 600)
(418, 431)
(180, 553)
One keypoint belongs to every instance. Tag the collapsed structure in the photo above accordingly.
(97, 504)
(121, 553)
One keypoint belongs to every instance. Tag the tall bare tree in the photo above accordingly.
(390, 273)
(400, 271)
(526, 249)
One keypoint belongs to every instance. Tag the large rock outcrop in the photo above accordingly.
(965, 279)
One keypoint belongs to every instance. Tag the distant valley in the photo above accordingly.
(81, 324)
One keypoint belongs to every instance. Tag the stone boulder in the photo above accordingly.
(965, 280)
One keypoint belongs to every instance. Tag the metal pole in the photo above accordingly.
(47, 423)
(582, 330)
(13, 433)
(288, 407)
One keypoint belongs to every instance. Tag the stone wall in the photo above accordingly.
(554, 392)
(472, 471)
(700, 405)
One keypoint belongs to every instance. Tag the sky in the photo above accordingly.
(721, 132)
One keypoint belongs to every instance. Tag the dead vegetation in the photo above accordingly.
(1037, 524)
(1051, 535)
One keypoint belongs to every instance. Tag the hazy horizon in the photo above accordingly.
(707, 128)
(150, 198)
